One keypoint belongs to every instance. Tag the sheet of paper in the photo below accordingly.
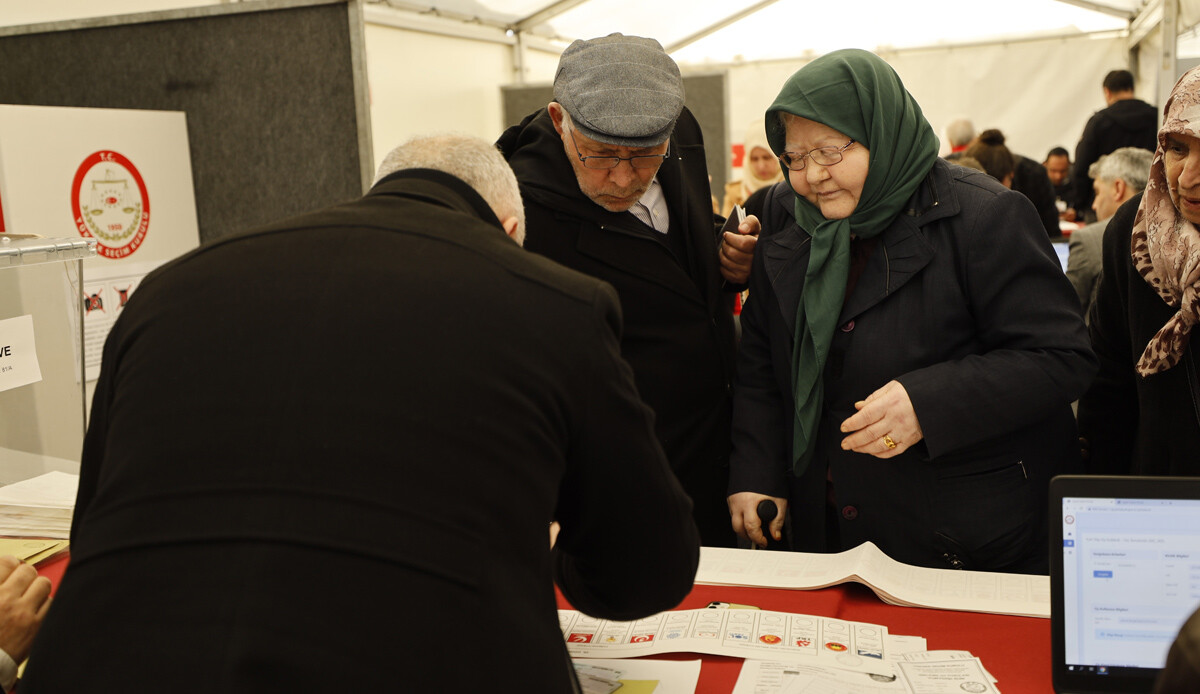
(106, 289)
(894, 582)
(772, 677)
(928, 656)
(51, 490)
(28, 548)
(18, 353)
(673, 676)
(759, 634)
(947, 677)
(898, 645)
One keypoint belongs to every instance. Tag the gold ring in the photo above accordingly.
(887, 441)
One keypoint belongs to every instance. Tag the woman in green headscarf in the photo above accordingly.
(911, 346)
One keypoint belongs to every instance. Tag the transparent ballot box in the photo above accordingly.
(43, 385)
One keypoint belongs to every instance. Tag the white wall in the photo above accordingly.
(1039, 93)
(421, 83)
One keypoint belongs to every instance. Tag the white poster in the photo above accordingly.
(106, 290)
(18, 353)
(121, 177)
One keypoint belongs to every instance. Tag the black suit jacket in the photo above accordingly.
(679, 335)
(325, 454)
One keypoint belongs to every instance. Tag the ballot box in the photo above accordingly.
(42, 377)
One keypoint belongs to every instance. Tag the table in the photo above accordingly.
(1016, 650)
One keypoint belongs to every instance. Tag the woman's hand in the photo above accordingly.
(737, 250)
(743, 512)
(885, 424)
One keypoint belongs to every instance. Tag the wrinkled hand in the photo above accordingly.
(886, 412)
(743, 512)
(737, 250)
(24, 599)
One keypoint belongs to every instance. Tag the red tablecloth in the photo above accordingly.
(1016, 650)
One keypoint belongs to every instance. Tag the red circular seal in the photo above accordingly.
(110, 203)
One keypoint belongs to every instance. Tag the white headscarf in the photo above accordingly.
(756, 137)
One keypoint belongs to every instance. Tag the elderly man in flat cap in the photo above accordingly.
(615, 185)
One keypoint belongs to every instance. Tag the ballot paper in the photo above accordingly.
(894, 582)
(634, 676)
(759, 634)
(924, 672)
(39, 507)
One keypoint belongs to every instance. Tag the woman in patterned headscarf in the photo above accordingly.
(911, 346)
(1142, 415)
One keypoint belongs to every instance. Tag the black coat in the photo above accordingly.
(1131, 424)
(1031, 180)
(963, 302)
(1127, 123)
(679, 335)
(325, 454)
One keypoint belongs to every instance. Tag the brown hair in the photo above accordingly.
(989, 149)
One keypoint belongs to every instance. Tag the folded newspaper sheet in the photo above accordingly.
(895, 583)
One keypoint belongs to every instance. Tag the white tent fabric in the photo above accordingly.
(1029, 67)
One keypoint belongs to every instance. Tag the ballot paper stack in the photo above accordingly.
(916, 672)
(39, 507)
(785, 653)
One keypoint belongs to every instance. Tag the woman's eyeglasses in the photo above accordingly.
(825, 156)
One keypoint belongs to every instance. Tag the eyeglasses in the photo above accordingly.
(825, 156)
(642, 161)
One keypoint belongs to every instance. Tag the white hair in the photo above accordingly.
(959, 132)
(1129, 164)
(474, 161)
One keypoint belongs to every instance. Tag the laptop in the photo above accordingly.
(1124, 576)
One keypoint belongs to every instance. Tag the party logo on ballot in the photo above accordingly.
(111, 204)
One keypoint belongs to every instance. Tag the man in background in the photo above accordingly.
(1126, 122)
(616, 186)
(1116, 177)
(1058, 168)
(325, 454)
(959, 132)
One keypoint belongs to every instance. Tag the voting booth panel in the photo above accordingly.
(274, 93)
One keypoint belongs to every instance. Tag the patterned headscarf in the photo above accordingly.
(862, 97)
(1165, 245)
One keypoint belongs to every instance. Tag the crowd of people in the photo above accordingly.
(538, 334)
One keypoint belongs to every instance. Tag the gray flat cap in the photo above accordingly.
(620, 90)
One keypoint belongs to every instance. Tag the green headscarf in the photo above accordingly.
(861, 96)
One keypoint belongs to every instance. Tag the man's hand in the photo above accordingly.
(886, 424)
(24, 600)
(737, 251)
(743, 513)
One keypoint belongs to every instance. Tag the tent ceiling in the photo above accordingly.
(722, 31)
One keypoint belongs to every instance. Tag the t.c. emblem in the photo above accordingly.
(110, 203)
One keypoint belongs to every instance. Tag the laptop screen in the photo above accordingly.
(1125, 580)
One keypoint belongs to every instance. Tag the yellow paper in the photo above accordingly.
(31, 550)
(637, 686)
